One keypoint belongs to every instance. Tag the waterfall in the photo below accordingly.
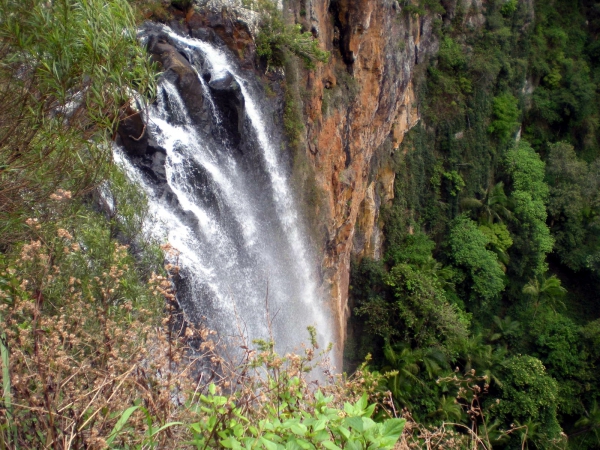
(227, 206)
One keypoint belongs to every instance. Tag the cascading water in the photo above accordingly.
(226, 205)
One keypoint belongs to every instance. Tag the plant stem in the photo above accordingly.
(6, 386)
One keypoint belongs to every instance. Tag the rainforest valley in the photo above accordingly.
(488, 285)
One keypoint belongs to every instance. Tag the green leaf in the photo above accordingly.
(391, 430)
(299, 429)
(322, 435)
(367, 423)
(196, 427)
(320, 425)
(232, 443)
(369, 411)
(393, 427)
(353, 445)
(356, 423)
(269, 445)
(219, 400)
(330, 445)
(165, 426)
(273, 436)
(345, 432)
(297, 445)
(362, 403)
(120, 424)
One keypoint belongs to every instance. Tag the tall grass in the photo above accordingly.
(66, 70)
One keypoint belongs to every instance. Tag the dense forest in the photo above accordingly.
(485, 306)
(94, 349)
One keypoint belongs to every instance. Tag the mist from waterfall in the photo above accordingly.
(229, 209)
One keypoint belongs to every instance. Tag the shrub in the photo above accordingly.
(276, 408)
(86, 362)
(468, 245)
(529, 197)
(66, 71)
(77, 323)
(276, 39)
(529, 398)
(506, 116)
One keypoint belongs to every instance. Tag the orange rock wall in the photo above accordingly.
(375, 45)
(362, 98)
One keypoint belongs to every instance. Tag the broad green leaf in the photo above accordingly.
(196, 427)
(356, 423)
(232, 443)
(353, 445)
(345, 432)
(269, 445)
(330, 445)
(369, 411)
(295, 445)
(273, 436)
(238, 430)
(299, 429)
(219, 400)
(393, 428)
(362, 403)
(319, 425)
(367, 423)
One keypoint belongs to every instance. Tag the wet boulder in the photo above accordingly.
(132, 132)
(181, 73)
(228, 99)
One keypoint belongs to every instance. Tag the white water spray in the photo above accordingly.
(232, 216)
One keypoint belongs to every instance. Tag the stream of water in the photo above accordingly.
(230, 210)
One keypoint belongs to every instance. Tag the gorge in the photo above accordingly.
(358, 108)
(416, 182)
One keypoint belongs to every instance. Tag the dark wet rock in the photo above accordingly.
(153, 163)
(179, 71)
(204, 34)
(132, 132)
(225, 83)
(229, 100)
(216, 26)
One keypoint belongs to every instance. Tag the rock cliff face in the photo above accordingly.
(359, 104)
(369, 105)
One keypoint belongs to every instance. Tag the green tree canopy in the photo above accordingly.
(529, 397)
(506, 116)
(574, 206)
(529, 196)
(427, 316)
(468, 251)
